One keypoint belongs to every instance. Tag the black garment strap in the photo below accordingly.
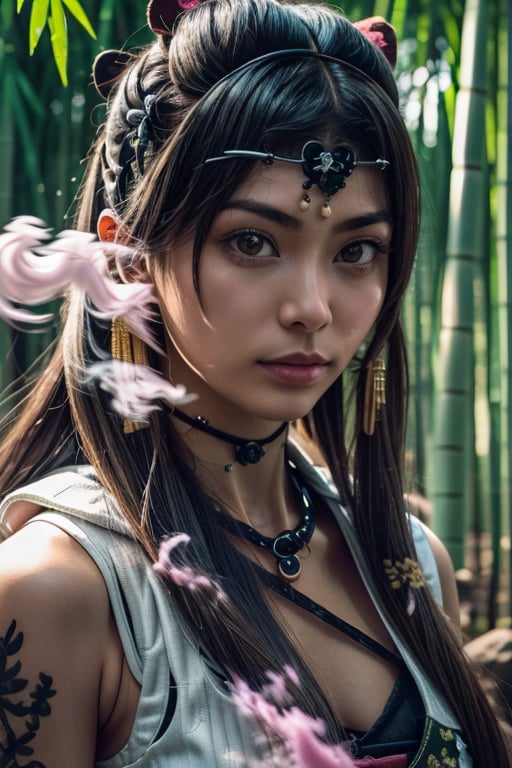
(286, 590)
(203, 426)
(247, 451)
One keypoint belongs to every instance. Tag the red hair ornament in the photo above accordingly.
(161, 14)
(379, 32)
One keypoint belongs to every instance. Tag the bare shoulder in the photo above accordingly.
(446, 577)
(42, 548)
(54, 623)
(42, 569)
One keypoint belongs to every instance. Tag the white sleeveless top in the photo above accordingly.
(205, 730)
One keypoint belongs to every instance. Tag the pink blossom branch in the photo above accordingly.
(301, 735)
(184, 575)
(136, 390)
(33, 271)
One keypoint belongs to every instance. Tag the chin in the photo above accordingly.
(287, 414)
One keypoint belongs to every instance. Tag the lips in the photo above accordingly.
(298, 358)
(297, 368)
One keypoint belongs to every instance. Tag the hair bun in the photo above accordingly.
(106, 69)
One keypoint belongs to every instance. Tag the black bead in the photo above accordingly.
(249, 453)
(287, 544)
(284, 545)
(290, 567)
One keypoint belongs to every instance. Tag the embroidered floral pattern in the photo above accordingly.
(406, 572)
(443, 760)
(441, 748)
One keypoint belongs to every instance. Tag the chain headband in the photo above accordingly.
(327, 169)
(161, 16)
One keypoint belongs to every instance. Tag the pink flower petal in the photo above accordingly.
(136, 390)
(301, 735)
(33, 271)
(181, 574)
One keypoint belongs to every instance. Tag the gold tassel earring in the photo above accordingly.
(374, 394)
(128, 348)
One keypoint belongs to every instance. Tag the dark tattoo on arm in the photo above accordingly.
(11, 746)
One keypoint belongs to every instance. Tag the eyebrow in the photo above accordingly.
(291, 222)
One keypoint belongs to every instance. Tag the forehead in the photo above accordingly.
(281, 185)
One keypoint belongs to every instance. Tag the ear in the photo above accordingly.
(382, 34)
(112, 230)
(108, 226)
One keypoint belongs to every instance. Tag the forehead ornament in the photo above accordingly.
(327, 169)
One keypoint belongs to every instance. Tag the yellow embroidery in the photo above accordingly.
(443, 756)
(450, 762)
(404, 572)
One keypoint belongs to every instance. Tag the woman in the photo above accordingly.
(255, 162)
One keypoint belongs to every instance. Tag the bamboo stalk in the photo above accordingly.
(454, 436)
(501, 391)
(7, 155)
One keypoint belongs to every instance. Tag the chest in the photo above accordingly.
(357, 680)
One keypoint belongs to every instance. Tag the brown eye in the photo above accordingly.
(353, 253)
(250, 243)
(360, 252)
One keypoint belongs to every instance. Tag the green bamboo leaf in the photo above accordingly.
(19, 5)
(59, 39)
(452, 32)
(38, 19)
(78, 12)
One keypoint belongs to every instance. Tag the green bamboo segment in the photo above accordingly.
(501, 390)
(454, 433)
(7, 148)
(398, 17)
(426, 67)
(7, 155)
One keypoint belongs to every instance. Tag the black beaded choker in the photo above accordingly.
(246, 451)
(286, 545)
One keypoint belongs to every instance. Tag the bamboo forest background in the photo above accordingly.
(454, 75)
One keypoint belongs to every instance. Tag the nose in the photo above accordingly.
(306, 303)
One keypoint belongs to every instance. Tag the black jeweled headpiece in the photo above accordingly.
(328, 169)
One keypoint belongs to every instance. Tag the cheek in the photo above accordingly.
(377, 288)
(177, 298)
(358, 305)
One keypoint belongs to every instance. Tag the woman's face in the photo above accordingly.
(287, 296)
